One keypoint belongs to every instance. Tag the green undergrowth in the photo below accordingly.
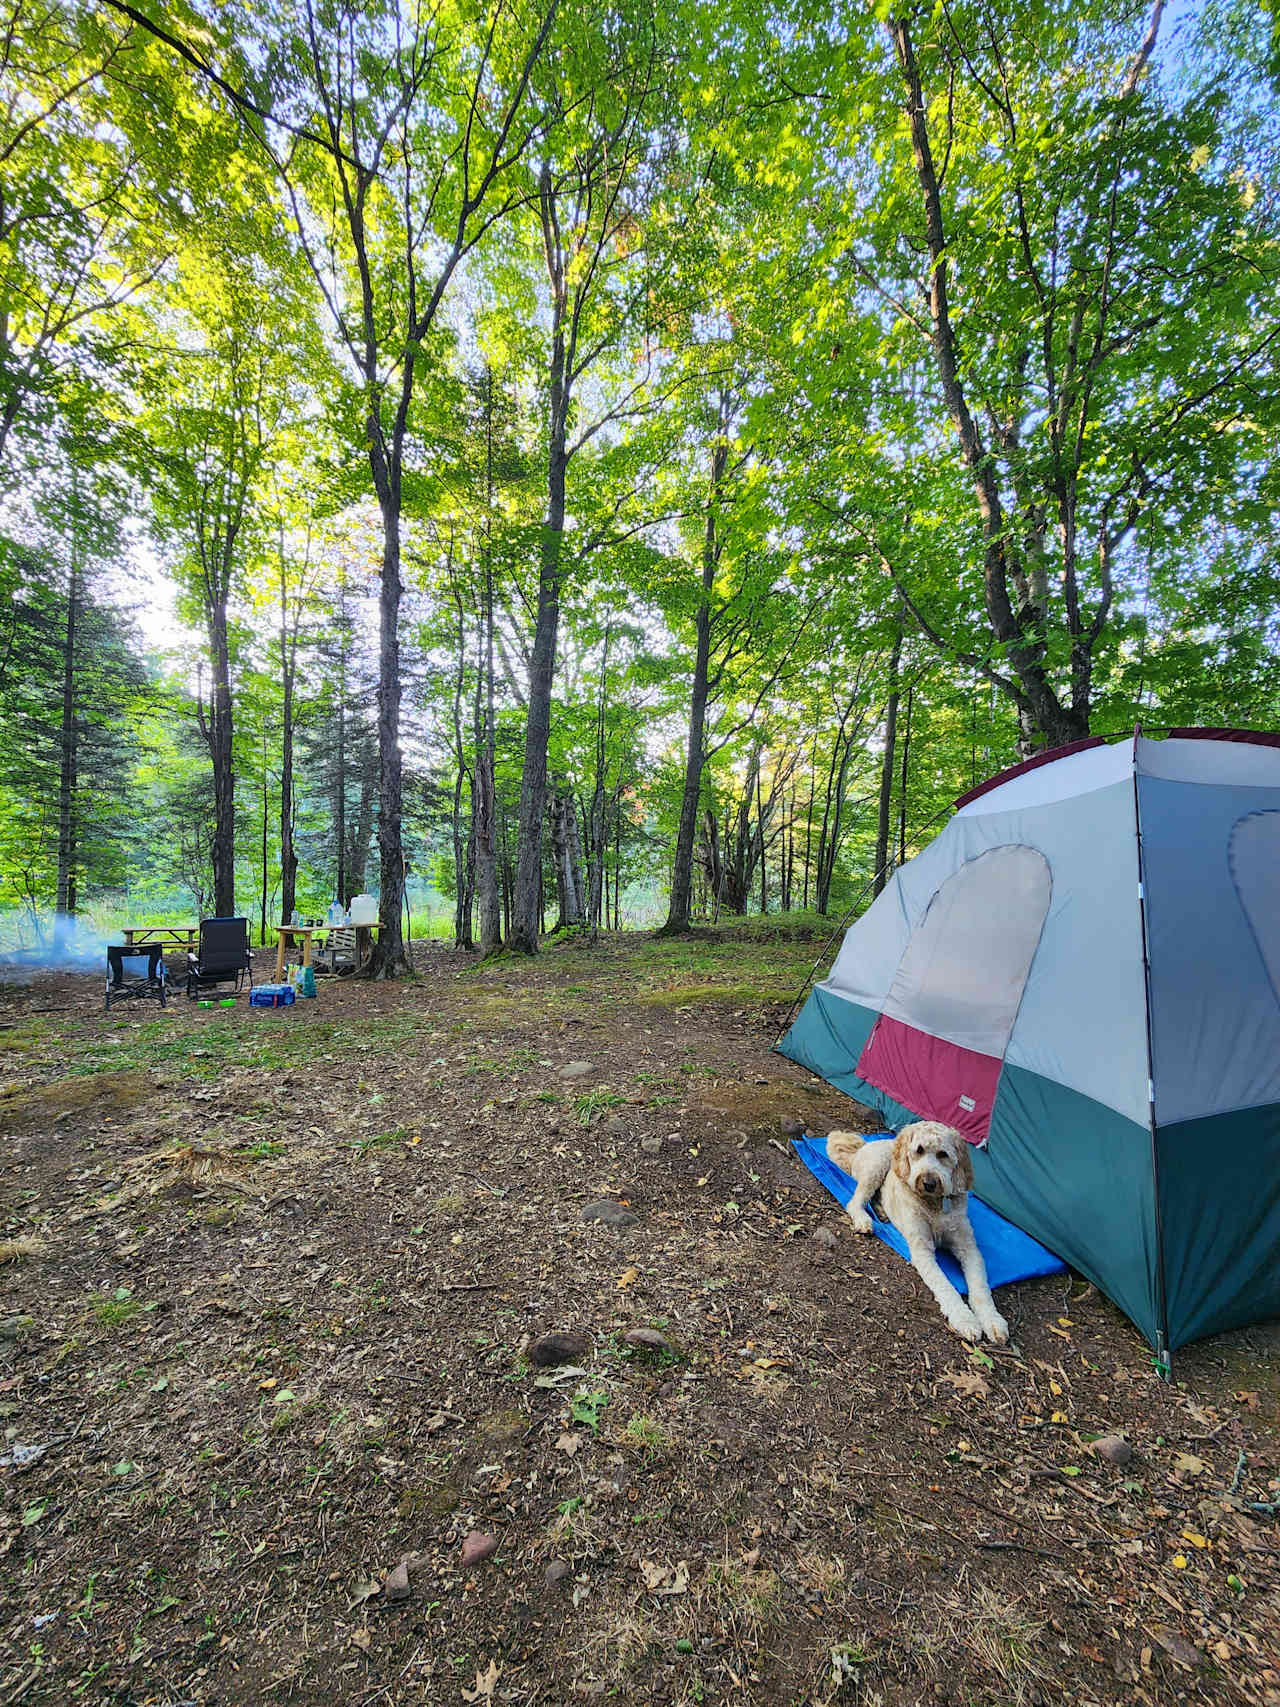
(264, 1040)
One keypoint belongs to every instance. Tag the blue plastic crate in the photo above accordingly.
(272, 996)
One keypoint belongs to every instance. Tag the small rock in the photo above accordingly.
(825, 1237)
(576, 1069)
(610, 1213)
(652, 1145)
(14, 1327)
(617, 1126)
(646, 1339)
(477, 1547)
(559, 1348)
(791, 1128)
(1114, 1448)
(396, 1586)
(556, 1573)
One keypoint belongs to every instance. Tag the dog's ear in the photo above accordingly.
(902, 1153)
(965, 1168)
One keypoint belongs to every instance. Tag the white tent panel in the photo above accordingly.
(1083, 1019)
(1218, 764)
(1077, 773)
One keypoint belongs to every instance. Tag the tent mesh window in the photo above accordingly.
(1254, 858)
(940, 1040)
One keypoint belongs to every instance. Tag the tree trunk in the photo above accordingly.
(526, 904)
(340, 788)
(65, 905)
(1044, 718)
(218, 731)
(288, 674)
(262, 917)
(902, 785)
(388, 958)
(484, 813)
(886, 769)
(695, 758)
(463, 845)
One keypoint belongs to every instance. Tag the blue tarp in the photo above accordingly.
(1009, 1253)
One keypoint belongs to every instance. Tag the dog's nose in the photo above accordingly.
(931, 1183)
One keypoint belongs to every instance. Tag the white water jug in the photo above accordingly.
(363, 910)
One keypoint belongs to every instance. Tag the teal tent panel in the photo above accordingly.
(1077, 1176)
(828, 1037)
(1220, 1209)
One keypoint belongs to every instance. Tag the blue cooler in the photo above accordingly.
(272, 996)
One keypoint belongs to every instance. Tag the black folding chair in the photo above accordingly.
(223, 956)
(135, 973)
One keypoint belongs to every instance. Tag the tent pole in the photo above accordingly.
(1163, 1360)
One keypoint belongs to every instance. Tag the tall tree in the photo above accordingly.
(590, 204)
(1099, 327)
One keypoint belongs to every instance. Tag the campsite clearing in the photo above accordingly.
(267, 1397)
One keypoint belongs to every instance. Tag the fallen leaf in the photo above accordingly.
(1248, 1399)
(968, 1382)
(486, 1683)
(1188, 1464)
(628, 1277)
(1179, 1561)
(661, 1579)
(361, 1639)
(1055, 1388)
(1195, 1540)
(1176, 1646)
(363, 1591)
(569, 1444)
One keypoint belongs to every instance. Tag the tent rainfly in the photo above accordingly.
(1081, 973)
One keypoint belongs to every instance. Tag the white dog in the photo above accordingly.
(923, 1177)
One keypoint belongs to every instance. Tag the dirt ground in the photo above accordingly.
(275, 1427)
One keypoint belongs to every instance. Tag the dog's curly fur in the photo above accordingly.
(923, 1177)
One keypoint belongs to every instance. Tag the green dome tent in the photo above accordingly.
(1081, 973)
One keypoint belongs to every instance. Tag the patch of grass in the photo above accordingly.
(116, 1310)
(740, 995)
(647, 1436)
(262, 1149)
(596, 1102)
(380, 1140)
(991, 1628)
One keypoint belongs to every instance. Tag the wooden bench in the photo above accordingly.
(339, 949)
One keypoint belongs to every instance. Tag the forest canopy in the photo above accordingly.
(613, 464)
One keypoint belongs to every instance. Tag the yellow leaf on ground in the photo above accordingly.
(1179, 1561)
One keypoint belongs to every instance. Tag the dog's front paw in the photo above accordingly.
(995, 1327)
(862, 1222)
(965, 1323)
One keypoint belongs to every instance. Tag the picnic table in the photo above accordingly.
(305, 934)
(185, 937)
